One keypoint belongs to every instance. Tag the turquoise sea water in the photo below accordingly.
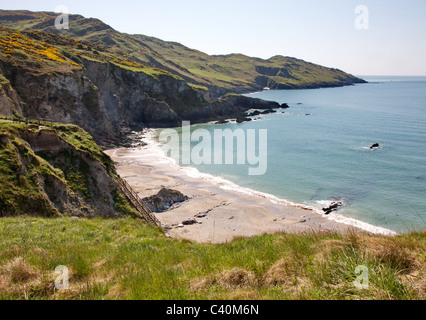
(325, 156)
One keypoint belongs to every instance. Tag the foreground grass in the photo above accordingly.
(127, 259)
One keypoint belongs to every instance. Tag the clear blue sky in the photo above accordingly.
(319, 31)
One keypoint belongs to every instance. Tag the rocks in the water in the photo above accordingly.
(268, 111)
(285, 106)
(164, 200)
(375, 146)
(243, 119)
(259, 113)
(222, 122)
(332, 208)
(254, 113)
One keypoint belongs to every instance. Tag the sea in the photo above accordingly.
(318, 152)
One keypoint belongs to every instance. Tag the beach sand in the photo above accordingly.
(229, 212)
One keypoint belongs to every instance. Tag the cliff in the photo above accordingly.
(56, 170)
(59, 79)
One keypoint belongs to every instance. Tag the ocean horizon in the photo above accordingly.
(319, 152)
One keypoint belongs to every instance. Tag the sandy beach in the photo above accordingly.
(226, 213)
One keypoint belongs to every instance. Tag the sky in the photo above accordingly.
(362, 37)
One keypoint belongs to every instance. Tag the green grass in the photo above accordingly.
(127, 259)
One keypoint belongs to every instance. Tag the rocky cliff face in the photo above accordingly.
(43, 173)
(110, 101)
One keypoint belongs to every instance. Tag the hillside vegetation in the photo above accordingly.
(220, 73)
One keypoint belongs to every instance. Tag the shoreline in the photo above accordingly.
(227, 210)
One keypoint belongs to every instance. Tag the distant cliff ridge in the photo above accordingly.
(111, 83)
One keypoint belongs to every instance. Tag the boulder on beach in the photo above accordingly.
(164, 200)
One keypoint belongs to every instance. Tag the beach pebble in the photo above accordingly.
(303, 221)
(181, 225)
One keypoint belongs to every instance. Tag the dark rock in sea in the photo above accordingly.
(254, 113)
(164, 200)
(375, 146)
(268, 111)
(284, 106)
(308, 114)
(243, 119)
(332, 208)
(222, 122)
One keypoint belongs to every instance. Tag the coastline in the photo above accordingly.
(228, 211)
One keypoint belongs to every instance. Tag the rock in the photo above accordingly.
(222, 122)
(375, 146)
(243, 119)
(284, 106)
(164, 200)
(332, 208)
(189, 222)
(268, 111)
(255, 113)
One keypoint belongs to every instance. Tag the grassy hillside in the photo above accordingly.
(46, 53)
(56, 170)
(127, 259)
(224, 73)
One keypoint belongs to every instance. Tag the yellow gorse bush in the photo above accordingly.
(11, 41)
